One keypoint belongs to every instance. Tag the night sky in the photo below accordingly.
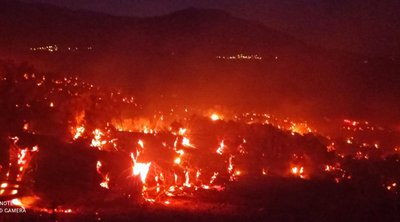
(366, 26)
(260, 9)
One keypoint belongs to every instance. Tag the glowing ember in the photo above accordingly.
(187, 179)
(79, 132)
(17, 202)
(328, 168)
(186, 142)
(35, 149)
(230, 169)
(104, 183)
(264, 172)
(3, 186)
(106, 178)
(26, 126)
(300, 128)
(221, 147)
(141, 144)
(97, 140)
(22, 157)
(182, 131)
(213, 177)
(348, 141)
(98, 166)
(298, 171)
(177, 160)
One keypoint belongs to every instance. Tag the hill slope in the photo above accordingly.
(180, 56)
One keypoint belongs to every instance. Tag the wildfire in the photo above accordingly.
(79, 132)
(298, 171)
(300, 128)
(177, 160)
(98, 166)
(331, 147)
(141, 169)
(3, 186)
(26, 126)
(35, 149)
(264, 172)
(106, 178)
(187, 179)
(392, 187)
(186, 142)
(182, 131)
(349, 141)
(215, 117)
(19, 163)
(105, 182)
(221, 147)
(329, 168)
(141, 144)
(230, 169)
(17, 202)
(24, 156)
(97, 140)
(213, 177)
(183, 171)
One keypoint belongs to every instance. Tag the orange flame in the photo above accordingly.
(141, 169)
(215, 117)
(298, 171)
